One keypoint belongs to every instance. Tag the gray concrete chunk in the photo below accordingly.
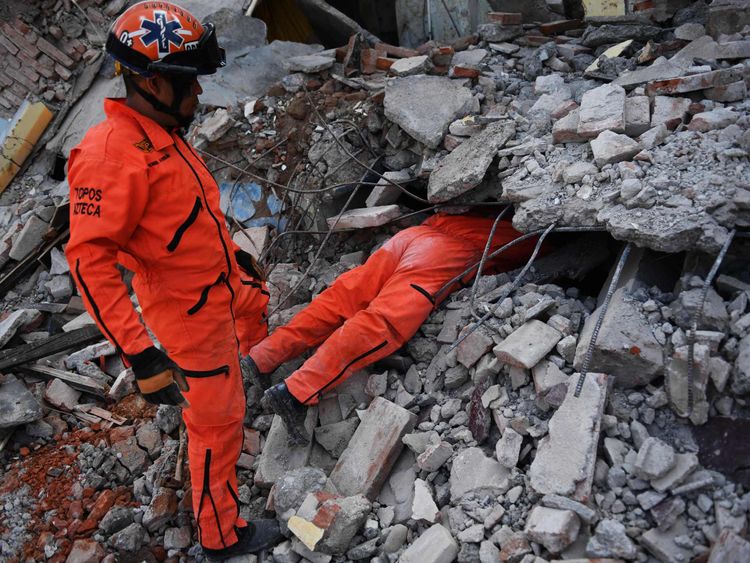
(29, 238)
(411, 65)
(466, 166)
(655, 459)
(527, 345)
(610, 148)
(279, 455)
(17, 404)
(373, 449)
(602, 108)
(384, 192)
(473, 470)
(566, 458)
(435, 545)
(309, 63)
(366, 217)
(424, 106)
(554, 529)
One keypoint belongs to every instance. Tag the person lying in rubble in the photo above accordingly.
(374, 309)
(142, 197)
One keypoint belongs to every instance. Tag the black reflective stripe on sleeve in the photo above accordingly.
(204, 295)
(207, 373)
(95, 307)
(346, 367)
(174, 243)
(424, 292)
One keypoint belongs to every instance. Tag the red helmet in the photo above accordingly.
(154, 37)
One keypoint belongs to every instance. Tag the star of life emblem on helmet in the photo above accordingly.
(162, 31)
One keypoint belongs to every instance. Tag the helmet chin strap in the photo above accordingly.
(180, 88)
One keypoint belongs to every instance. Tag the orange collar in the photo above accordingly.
(159, 137)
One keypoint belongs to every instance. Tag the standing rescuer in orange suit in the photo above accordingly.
(372, 310)
(142, 197)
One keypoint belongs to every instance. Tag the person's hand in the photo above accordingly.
(159, 379)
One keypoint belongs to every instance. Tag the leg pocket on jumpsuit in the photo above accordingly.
(216, 396)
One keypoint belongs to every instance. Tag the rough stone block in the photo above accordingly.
(279, 454)
(473, 470)
(373, 449)
(625, 347)
(610, 148)
(637, 115)
(602, 109)
(435, 545)
(566, 458)
(554, 529)
(366, 217)
(669, 111)
(527, 345)
(466, 166)
(710, 120)
(424, 106)
(29, 238)
(730, 548)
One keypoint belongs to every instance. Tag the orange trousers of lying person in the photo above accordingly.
(372, 310)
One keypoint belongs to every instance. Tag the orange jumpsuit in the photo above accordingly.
(142, 197)
(372, 310)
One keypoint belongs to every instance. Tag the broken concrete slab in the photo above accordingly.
(508, 448)
(527, 345)
(309, 63)
(565, 129)
(471, 58)
(625, 347)
(472, 348)
(662, 545)
(328, 523)
(410, 66)
(14, 321)
(637, 115)
(335, 437)
(734, 92)
(423, 506)
(372, 450)
(550, 382)
(677, 382)
(472, 471)
(365, 218)
(718, 118)
(602, 109)
(655, 459)
(694, 82)
(684, 465)
(595, 36)
(498, 33)
(435, 545)
(566, 457)
(730, 548)
(659, 70)
(466, 166)
(384, 192)
(279, 455)
(669, 111)
(610, 148)
(59, 394)
(554, 529)
(17, 404)
(424, 106)
(611, 540)
(29, 238)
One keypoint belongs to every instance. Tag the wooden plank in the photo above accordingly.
(53, 345)
(80, 382)
(104, 414)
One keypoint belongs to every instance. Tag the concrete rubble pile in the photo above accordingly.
(493, 450)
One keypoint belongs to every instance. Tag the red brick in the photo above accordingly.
(15, 100)
(49, 49)
(5, 80)
(21, 26)
(506, 18)
(8, 44)
(5, 102)
(17, 90)
(394, 51)
(46, 70)
(384, 63)
(12, 62)
(368, 59)
(21, 78)
(463, 72)
(64, 73)
(19, 40)
(561, 26)
(442, 56)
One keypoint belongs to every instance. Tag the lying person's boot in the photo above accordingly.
(255, 537)
(291, 411)
(251, 372)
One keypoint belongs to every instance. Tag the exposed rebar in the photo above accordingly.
(697, 318)
(600, 319)
(510, 290)
(483, 259)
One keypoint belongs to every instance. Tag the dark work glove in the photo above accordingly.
(159, 379)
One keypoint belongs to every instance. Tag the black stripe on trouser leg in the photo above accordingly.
(319, 392)
(424, 292)
(94, 306)
(235, 498)
(207, 492)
